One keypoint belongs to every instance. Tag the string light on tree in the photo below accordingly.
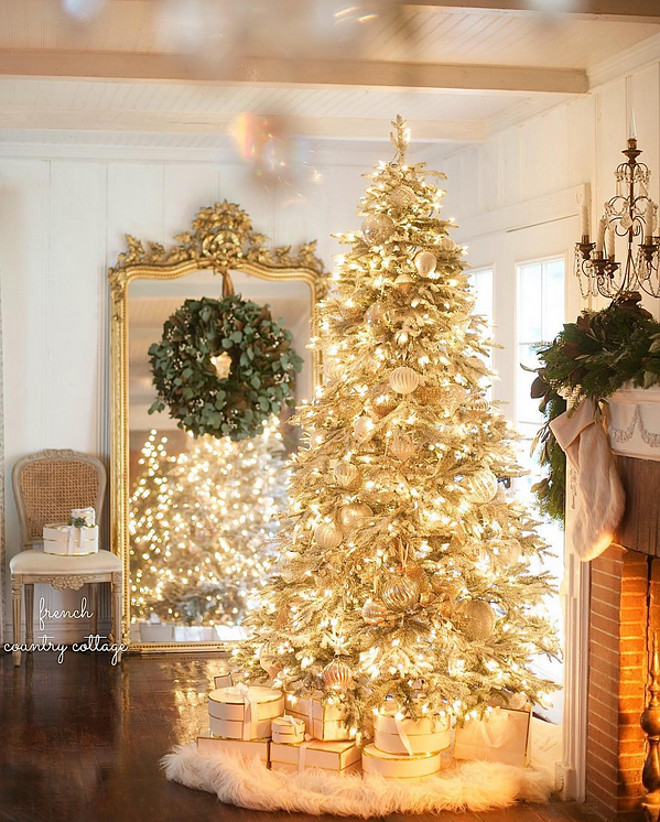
(202, 525)
(409, 576)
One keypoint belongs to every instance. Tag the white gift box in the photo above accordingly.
(67, 540)
(503, 735)
(396, 735)
(322, 721)
(329, 756)
(242, 712)
(288, 730)
(400, 766)
(223, 680)
(88, 514)
(238, 747)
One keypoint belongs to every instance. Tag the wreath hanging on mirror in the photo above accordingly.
(223, 367)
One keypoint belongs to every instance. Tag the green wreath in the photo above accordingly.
(223, 367)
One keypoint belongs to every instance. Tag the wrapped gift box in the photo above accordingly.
(328, 756)
(400, 766)
(238, 747)
(68, 540)
(322, 721)
(243, 712)
(395, 735)
(224, 680)
(288, 730)
(503, 735)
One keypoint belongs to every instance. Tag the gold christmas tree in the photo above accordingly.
(408, 573)
(202, 525)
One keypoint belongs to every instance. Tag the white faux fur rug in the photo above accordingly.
(473, 786)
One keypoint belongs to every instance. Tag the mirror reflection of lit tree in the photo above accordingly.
(202, 524)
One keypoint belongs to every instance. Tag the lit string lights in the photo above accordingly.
(202, 525)
(410, 571)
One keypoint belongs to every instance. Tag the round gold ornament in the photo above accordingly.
(333, 369)
(481, 487)
(402, 446)
(425, 263)
(508, 551)
(447, 245)
(402, 196)
(352, 516)
(377, 227)
(374, 612)
(404, 380)
(362, 427)
(337, 674)
(475, 618)
(346, 474)
(480, 405)
(404, 283)
(375, 313)
(401, 593)
(327, 536)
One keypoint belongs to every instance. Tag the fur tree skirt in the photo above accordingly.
(471, 786)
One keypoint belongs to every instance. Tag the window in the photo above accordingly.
(540, 318)
(481, 281)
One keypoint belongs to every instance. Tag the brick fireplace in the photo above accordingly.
(624, 611)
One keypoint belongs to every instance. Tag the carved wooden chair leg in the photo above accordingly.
(94, 605)
(16, 585)
(29, 612)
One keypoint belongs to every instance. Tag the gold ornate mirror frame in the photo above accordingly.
(221, 239)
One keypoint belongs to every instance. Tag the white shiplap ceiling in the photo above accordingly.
(184, 69)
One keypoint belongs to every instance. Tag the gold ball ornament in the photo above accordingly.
(337, 674)
(425, 263)
(447, 245)
(475, 618)
(383, 404)
(480, 405)
(362, 427)
(404, 283)
(346, 474)
(352, 516)
(377, 227)
(375, 313)
(374, 612)
(481, 487)
(401, 593)
(508, 551)
(404, 380)
(402, 446)
(328, 536)
(402, 196)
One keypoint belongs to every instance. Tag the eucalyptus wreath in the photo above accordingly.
(234, 401)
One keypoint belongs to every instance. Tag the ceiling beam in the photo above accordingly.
(341, 128)
(634, 11)
(285, 73)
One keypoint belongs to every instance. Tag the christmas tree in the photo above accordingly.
(408, 574)
(202, 525)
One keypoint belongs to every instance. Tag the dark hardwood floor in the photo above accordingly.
(81, 742)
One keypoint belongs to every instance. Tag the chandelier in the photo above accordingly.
(630, 214)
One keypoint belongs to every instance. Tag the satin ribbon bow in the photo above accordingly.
(73, 539)
(251, 709)
(403, 736)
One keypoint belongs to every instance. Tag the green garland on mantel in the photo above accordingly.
(591, 358)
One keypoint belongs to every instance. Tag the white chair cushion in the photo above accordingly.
(35, 561)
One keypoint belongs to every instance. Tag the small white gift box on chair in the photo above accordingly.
(503, 735)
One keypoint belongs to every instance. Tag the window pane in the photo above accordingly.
(553, 299)
(530, 300)
(482, 283)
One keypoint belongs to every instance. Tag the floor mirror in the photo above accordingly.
(194, 516)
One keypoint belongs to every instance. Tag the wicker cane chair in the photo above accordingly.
(47, 486)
